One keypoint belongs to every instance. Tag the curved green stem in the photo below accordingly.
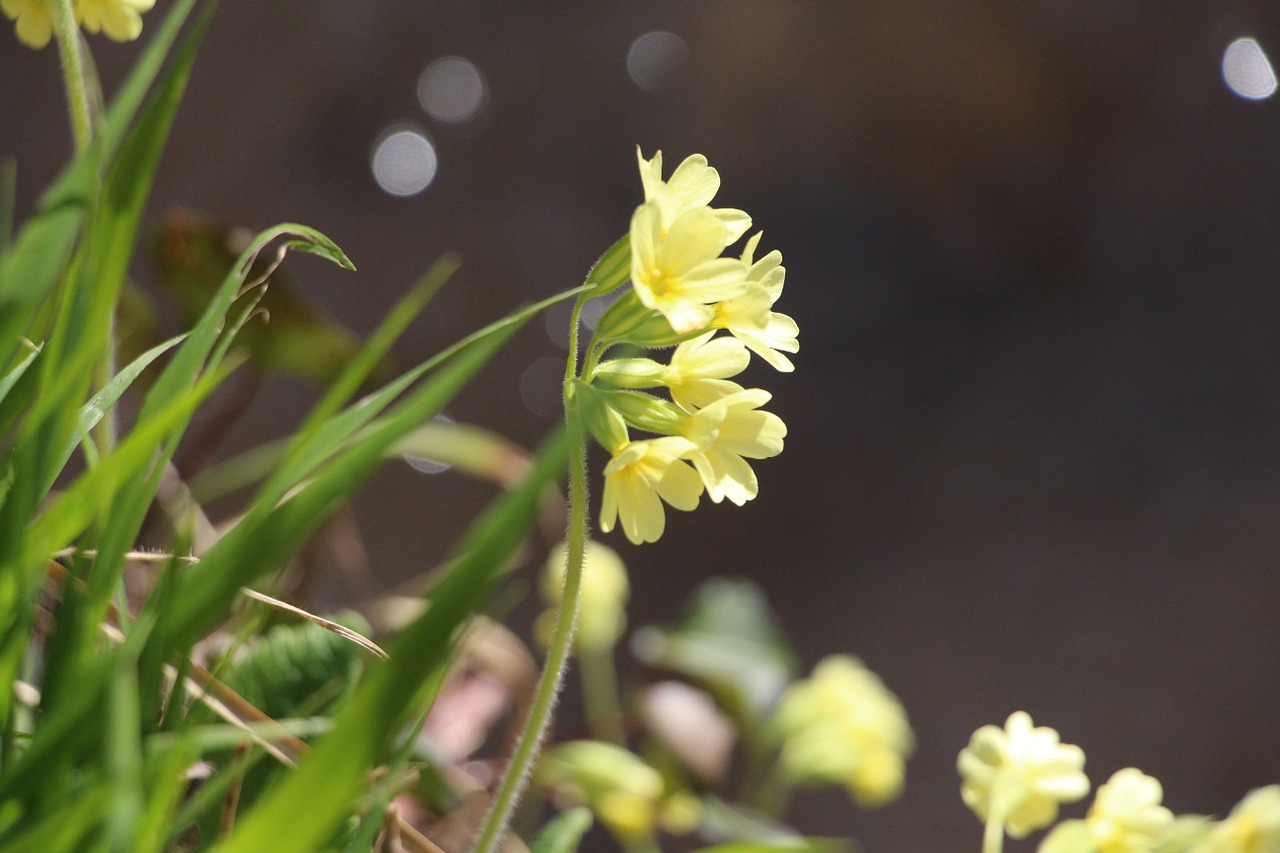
(518, 769)
(68, 35)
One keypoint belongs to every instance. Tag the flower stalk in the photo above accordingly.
(73, 73)
(516, 775)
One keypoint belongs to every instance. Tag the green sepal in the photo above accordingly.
(647, 412)
(629, 320)
(612, 270)
(631, 373)
(604, 423)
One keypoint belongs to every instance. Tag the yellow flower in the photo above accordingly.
(749, 317)
(121, 20)
(692, 184)
(729, 431)
(639, 477)
(1017, 775)
(679, 272)
(603, 613)
(1126, 816)
(699, 370)
(617, 785)
(1252, 827)
(33, 21)
(843, 726)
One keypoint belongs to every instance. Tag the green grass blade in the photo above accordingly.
(325, 785)
(271, 531)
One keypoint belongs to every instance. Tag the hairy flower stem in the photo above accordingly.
(68, 34)
(518, 769)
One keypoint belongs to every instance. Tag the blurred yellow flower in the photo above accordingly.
(33, 20)
(602, 615)
(843, 726)
(1017, 776)
(121, 20)
(692, 184)
(639, 477)
(678, 271)
(1126, 815)
(728, 431)
(617, 785)
(1252, 827)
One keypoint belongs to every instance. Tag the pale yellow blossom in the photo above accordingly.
(727, 432)
(692, 184)
(1126, 815)
(639, 477)
(750, 317)
(699, 370)
(1018, 775)
(843, 726)
(121, 20)
(602, 615)
(680, 273)
(33, 20)
(1252, 827)
(624, 791)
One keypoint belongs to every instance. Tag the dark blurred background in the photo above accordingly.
(1034, 450)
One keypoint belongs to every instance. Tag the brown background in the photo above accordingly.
(1032, 248)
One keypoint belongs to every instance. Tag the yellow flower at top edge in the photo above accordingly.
(1252, 827)
(1126, 815)
(1019, 774)
(640, 476)
(680, 273)
(692, 184)
(121, 20)
(843, 726)
(727, 432)
(33, 21)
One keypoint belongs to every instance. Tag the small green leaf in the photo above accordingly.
(564, 832)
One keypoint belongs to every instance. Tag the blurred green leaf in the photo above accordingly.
(564, 832)
(731, 642)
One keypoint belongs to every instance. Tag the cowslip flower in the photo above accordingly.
(750, 317)
(1015, 777)
(679, 272)
(640, 476)
(121, 20)
(617, 785)
(1126, 817)
(1252, 827)
(699, 370)
(602, 616)
(692, 184)
(727, 432)
(843, 726)
(33, 21)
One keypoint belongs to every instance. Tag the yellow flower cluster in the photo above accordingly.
(843, 726)
(683, 290)
(121, 20)
(1015, 777)
(629, 796)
